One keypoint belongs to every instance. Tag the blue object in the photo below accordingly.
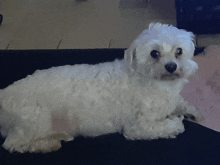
(198, 16)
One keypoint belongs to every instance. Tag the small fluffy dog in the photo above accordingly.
(137, 96)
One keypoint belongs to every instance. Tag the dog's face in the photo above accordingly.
(162, 52)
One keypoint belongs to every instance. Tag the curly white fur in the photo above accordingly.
(136, 96)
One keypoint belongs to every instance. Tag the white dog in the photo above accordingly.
(137, 96)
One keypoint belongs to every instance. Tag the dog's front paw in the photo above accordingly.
(44, 146)
(192, 114)
(175, 126)
(13, 146)
(189, 112)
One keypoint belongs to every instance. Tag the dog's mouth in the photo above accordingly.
(172, 76)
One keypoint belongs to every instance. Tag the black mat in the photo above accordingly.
(197, 145)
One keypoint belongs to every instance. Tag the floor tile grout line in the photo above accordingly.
(59, 43)
(8, 45)
(109, 45)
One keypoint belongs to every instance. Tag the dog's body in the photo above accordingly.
(137, 96)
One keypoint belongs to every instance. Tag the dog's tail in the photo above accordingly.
(3, 119)
(1, 112)
(0, 100)
(7, 121)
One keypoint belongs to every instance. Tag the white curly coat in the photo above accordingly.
(127, 96)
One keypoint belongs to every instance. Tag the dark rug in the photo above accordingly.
(197, 145)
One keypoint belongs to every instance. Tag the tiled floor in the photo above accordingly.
(69, 24)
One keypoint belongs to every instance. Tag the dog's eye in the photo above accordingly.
(179, 51)
(154, 54)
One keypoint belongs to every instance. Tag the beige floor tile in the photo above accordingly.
(206, 40)
(162, 9)
(37, 32)
(41, 28)
(129, 23)
(87, 27)
(93, 26)
(13, 13)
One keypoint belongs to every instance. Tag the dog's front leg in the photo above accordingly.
(166, 128)
(190, 112)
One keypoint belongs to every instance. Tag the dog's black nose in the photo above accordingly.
(171, 67)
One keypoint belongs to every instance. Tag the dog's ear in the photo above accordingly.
(130, 54)
(194, 40)
(192, 37)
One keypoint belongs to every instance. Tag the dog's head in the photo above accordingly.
(162, 52)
